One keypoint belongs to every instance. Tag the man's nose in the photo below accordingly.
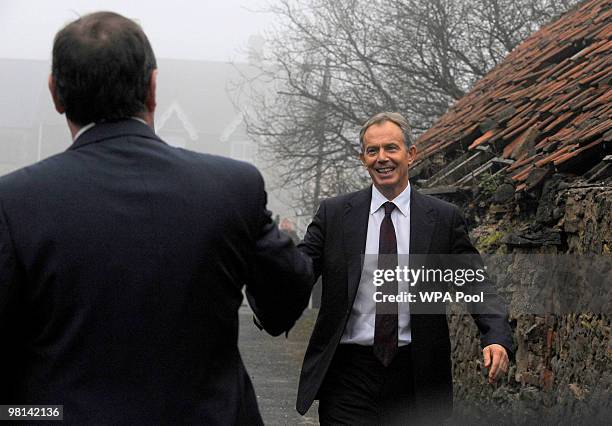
(382, 156)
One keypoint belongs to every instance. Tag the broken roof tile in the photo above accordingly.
(555, 87)
(485, 137)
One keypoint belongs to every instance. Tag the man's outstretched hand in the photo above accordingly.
(496, 360)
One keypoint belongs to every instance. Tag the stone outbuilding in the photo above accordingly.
(527, 153)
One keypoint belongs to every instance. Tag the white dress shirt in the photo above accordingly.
(360, 326)
(83, 130)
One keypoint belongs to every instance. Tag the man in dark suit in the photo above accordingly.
(370, 362)
(122, 260)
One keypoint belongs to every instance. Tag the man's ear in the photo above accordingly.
(53, 89)
(412, 153)
(362, 159)
(151, 101)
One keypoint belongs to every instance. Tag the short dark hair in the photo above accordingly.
(102, 64)
(393, 117)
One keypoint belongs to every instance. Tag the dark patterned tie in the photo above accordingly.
(385, 327)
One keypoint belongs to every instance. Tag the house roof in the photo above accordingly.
(546, 107)
(200, 89)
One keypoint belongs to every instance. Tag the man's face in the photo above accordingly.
(386, 158)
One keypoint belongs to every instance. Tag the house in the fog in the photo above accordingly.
(30, 129)
(193, 111)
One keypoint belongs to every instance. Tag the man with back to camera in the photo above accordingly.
(122, 260)
(376, 363)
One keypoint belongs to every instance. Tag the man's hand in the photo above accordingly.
(496, 360)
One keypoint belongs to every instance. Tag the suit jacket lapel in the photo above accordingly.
(355, 227)
(422, 223)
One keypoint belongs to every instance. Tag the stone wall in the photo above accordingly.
(562, 369)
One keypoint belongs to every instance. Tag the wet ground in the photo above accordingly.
(274, 366)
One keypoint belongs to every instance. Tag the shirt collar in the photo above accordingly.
(402, 201)
(90, 125)
(83, 130)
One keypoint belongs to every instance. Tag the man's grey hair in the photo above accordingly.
(394, 117)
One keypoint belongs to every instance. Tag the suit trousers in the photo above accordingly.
(359, 390)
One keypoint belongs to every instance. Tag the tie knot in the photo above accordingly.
(388, 208)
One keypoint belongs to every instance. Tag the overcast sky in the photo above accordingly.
(180, 29)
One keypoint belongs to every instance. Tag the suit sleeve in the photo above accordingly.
(8, 270)
(8, 301)
(280, 287)
(491, 316)
(314, 241)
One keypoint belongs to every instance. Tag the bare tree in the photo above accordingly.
(330, 64)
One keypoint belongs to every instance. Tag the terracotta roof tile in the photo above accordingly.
(526, 160)
(559, 120)
(485, 137)
(522, 175)
(548, 102)
(554, 155)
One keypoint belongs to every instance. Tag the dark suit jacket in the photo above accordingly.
(335, 240)
(122, 263)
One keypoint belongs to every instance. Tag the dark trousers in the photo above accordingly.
(359, 390)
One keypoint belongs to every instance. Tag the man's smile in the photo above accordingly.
(385, 171)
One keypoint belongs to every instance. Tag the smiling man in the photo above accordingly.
(386, 156)
(376, 363)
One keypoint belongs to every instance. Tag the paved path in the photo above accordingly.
(274, 366)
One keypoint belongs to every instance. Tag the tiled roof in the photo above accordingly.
(546, 107)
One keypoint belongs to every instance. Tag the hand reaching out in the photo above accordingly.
(496, 360)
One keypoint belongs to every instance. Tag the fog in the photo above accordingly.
(180, 29)
(200, 46)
